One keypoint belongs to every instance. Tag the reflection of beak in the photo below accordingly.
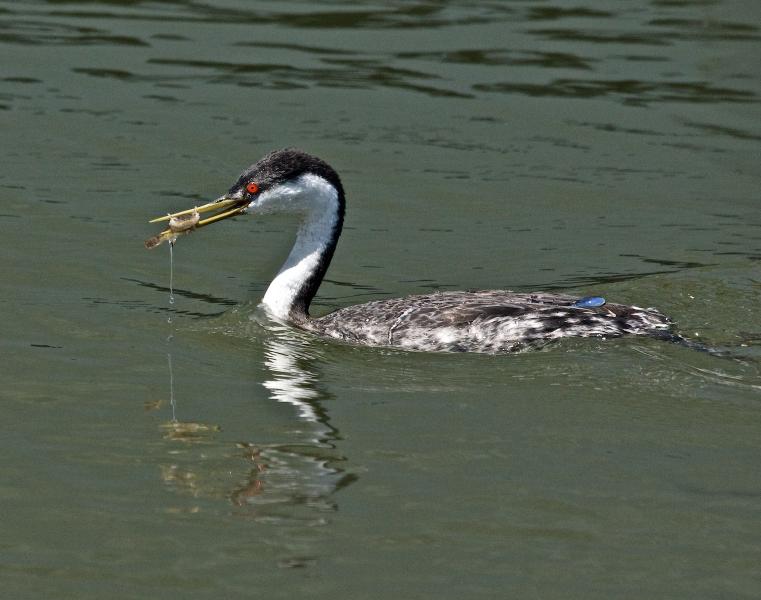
(188, 220)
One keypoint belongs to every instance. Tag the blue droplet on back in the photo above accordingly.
(589, 302)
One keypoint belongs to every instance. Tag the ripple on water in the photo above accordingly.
(51, 33)
(580, 450)
(629, 91)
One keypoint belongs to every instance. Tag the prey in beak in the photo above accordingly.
(186, 221)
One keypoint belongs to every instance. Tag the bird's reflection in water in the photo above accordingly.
(303, 474)
(294, 481)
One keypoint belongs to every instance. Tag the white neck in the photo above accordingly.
(295, 284)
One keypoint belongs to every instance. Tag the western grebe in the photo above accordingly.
(492, 321)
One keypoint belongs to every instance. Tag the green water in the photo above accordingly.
(597, 147)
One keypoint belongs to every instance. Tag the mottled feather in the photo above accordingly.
(493, 321)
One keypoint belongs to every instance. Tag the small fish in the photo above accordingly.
(180, 223)
(186, 221)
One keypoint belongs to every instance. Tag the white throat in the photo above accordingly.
(317, 201)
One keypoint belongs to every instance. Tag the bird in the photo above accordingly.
(292, 181)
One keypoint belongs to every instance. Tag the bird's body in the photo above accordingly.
(493, 321)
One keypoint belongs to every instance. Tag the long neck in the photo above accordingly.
(291, 291)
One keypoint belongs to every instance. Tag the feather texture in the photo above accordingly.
(493, 321)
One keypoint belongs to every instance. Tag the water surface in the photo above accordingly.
(598, 148)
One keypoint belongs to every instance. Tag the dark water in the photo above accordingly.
(600, 147)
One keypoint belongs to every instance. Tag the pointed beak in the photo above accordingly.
(187, 220)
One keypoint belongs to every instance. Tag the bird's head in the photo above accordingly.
(284, 181)
(287, 181)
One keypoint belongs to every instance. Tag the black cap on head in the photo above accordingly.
(284, 165)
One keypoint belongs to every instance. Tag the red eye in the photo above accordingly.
(252, 188)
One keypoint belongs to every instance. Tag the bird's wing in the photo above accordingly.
(500, 317)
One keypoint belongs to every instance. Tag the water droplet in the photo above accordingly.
(171, 272)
